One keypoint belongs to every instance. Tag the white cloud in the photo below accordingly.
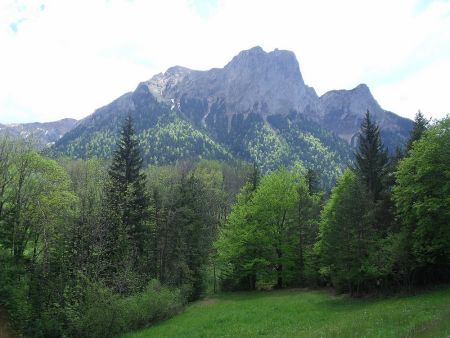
(75, 56)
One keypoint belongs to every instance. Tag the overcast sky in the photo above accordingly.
(61, 58)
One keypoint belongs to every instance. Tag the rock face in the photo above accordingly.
(266, 84)
(341, 112)
(43, 134)
(252, 82)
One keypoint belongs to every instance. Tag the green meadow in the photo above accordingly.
(305, 313)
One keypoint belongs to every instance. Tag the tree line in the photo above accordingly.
(94, 248)
(384, 227)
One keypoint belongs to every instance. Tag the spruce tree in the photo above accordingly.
(371, 160)
(128, 202)
(420, 125)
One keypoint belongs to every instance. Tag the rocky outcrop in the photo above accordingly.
(341, 112)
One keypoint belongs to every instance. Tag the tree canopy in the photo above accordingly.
(422, 195)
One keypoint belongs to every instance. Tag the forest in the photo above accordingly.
(97, 247)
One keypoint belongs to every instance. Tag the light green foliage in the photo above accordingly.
(169, 140)
(266, 148)
(316, 155)
(174, 139)
(88, 180)
(37, 201)
(422, 195)
(100, 144)
(63, 272)
(297, 313)
(258, 245)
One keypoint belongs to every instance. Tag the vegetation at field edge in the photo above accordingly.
(305, 313)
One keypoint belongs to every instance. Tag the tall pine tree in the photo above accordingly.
(127, 201)
(371, 160)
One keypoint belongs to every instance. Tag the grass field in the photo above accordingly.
(302, 313)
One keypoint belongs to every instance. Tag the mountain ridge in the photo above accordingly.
(271, 83)
(42, 133)
(257, 108)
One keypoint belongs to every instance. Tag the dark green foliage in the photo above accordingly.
(14, 291)
(189, 203)
(420, 125)
(126, 210)
(371, 162)
(105, 314)
(347, 242)
(51, 281)
(193, 232)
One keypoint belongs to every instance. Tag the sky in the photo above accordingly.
(66, 58)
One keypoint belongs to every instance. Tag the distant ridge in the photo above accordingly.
(44, 134)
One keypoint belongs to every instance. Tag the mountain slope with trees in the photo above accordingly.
(257, 108)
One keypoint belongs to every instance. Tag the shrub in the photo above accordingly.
(107, 315)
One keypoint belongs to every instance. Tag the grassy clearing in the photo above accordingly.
(302, 313)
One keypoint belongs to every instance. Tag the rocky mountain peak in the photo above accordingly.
(161, 84)
(254, 81)
(341, 111)
(256, 61)
(362, 88)
(357, 100)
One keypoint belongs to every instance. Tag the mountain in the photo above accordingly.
(341, 112)
(253, 82)
(257, 108)
(43, 134)
(269, 84)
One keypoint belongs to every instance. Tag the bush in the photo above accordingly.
(106, 314)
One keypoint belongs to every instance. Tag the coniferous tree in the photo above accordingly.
(254, 177)
(420, 125)
(347, 240)
(313, 180)
(127, 202)
(371, 160)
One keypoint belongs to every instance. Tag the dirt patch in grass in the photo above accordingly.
(208, 301)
